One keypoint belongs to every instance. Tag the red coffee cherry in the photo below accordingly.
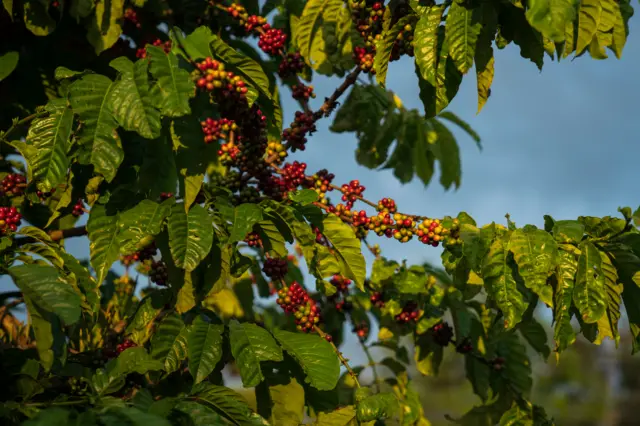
(13, 184)
(272, 41)
(9, 220)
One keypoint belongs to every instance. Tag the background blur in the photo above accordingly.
(560, 142)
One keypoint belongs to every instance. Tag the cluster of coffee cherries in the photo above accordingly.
(166, 46)
(410, 312)
(166, 195)
(248, 194)
(382, 224)
(442, 333)
(377, 299)
(158, 274)
(44, 195)
(404, 227)
(291, 64)
(239, 13)
(215, 130)
(352, 192)
(292, 176)
(304, 124)
(276, 149)
(275, 268)
(10, 219)
(464, 347)
(215, 77)
(253, 239)
(431, 231)
(78, 208)
(498, 363)
(130, 15)
(363, 57)
(340, 283)
(403, 44)
(361, 330)
(140, 256)
(302, 92)
(272, 40)
(255, 21)
(387, 205)
(295, 300)
(124, 346)
(321, 183)
(13, 184)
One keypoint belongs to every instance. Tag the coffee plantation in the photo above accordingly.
(159, 122)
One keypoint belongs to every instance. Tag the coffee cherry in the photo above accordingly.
(363, 57)
(344, 306)
(430, 231)
(321, 183)
(341, 283)
(44, 195)
(387, 205)
(254, 22)
(166, 195)
(409, 313)
(238, 12)
(131, 16)
(78, 208)
(214, 130)
(295, 135)
(166, 46)
(272, 41)
(498, 363)
(124, 346)
(328, 338)
(295, 300)
(13, 184)
(464, 347)
(351, 192)
(292, 64)
(159, 274)
(361, 330)
(442, 333)
(9, 220)
(253, 239)
(275, 268)
(377, 300)
(302, 92)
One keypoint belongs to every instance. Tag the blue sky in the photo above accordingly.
(559, 142)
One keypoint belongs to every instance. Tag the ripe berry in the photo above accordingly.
(464, 347)
(387, 205)
(295, 300)
(377, 300)
(124, 346)
(272, 41)
(166, 195)
(341, 283)
(497, 363)
(328, 338)
(238, 12)
(166, 46)
(442, 333)
(292, 64)
(409, 313)
(361, 330)
(431, 232)
(302, 92)
(275, 268)
(9, 220)
(295, 135)
(363, 57)
(351, 192)
(130, 15)
(344, 306)
(253, 239)
(13, 184)
(44, 195)
(159, 273)
(254, 22)
(78, 208)
(215, 130)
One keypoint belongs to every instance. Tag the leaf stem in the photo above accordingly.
(372, 364)
(4, 136)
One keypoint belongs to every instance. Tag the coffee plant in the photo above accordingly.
(159, 122)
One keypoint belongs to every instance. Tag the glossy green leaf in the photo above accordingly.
(47, 330)
(288, 404)
(551, 17)
(314, 354)
(375, 407)
(227, 403)
(195, 45)
(169, 343)
(129, 416)
(190, 236)
(341, 417)
(588, 19)
(251, 344)
(204, 348)
(462, 29)
(131, 101)
(426, 43)
(304, 196)
(244, 217)
(139, 224)
(133, 360)
(568, 231)
(50, 137)
(563, 334)
(8, 63)
(589, 295)
(90, 98)
(501, 285)
(608, 323)
(535, 334)
(517, 366)
(347, 248)
(173, 87)
(535, 251)
(385, 45)
(105, 28)
(103, 240)
(307, 25)
(37, 18)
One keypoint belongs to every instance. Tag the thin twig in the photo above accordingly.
(342, 359)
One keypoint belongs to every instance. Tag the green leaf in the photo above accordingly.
(303, 196)
(8, 63)
(44, 286)
(501, 285)
(589, 294)
(50, 340)
(37, 18)
(534, 251)
(288, 404)
(315, 355)
(563, 334)
(81, 8)
(568, 231)
(453, 118)
(535, 334)
(174, 86)
(169, 343)
(195, 45)
(105, 27)
(517, 366)
(385, 45)
(608, 323)
(272, 238)
(516, 416)
(90, 98)
(228, 403)
(129, 416)
(250, 345)
(485, 66)
(8, 6)
(244, 217)
(447, 152)
(341, 417)
(103, 240)
(462, 29)
(138, 224)
(551, 17)
(379, 406)
(307, 25)
(204, 347)
(426, 43)
(190, 236)
(133, 360)
(50, 137)
(131, 102)
(588, 20)
(247, 68)
(347, 248)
